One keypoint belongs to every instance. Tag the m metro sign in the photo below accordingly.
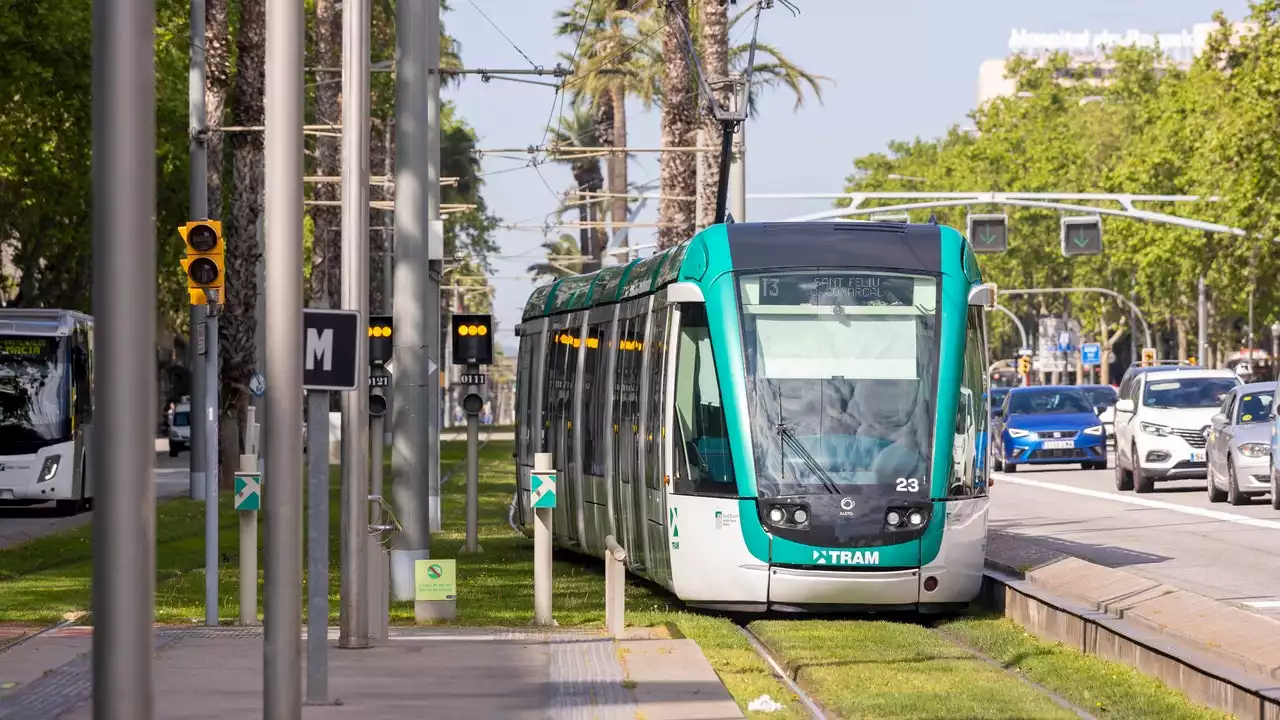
(330, 341)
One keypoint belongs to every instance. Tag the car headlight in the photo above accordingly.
(1153, 429)
(1255, 450)
(50, 468)
(1095, 430)
(1016, 433)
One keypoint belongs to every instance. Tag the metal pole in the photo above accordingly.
(124, 305)
(198, 201)
(435, 264)
(211, 554)
(317, 547)
(379, 607)
(353, 610)
(1202, 341)
(738, 176)
(410, 430)
(282, 677)
(472, 544)
(542, 517)
(249, 548)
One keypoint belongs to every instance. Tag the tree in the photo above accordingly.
(326, 260)
(578, 130)
(676, 211)
(562, 260)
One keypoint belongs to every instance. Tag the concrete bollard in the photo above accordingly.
(615, 587)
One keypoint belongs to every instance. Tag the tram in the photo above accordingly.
(770, 416)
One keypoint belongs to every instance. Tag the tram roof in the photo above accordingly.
(754, 246)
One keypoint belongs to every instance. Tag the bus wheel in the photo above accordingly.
(68, 507)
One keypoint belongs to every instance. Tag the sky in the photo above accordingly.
(898, 70)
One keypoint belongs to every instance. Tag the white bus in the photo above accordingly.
(46, 408)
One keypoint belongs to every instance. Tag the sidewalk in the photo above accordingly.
(419, 672)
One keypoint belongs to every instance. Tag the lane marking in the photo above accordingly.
(1263, 604)
(1133, 500)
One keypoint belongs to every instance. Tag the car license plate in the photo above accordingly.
(1197, 456)
(1059, 444)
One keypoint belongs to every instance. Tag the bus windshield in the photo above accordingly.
(841, 371)
(35, 394)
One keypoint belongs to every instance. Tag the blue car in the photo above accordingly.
(1049, 425)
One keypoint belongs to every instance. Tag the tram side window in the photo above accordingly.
(704, 464)
(656, 351)
(524, 406)
(970, 450)
(593, 395)
(552, 413)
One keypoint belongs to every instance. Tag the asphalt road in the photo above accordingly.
(1173, 535)
(19, 524)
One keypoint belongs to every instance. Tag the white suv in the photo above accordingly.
(1162, 420)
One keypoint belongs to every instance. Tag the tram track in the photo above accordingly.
(762, 650)
(60, 625)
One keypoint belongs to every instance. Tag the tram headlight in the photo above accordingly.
(801, 516)
(894, 518)
(776, 516)
(50, 468)
(915, 518)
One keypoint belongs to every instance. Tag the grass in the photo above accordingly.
(856, 668)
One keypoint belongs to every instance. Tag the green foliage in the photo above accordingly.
(1152, 129)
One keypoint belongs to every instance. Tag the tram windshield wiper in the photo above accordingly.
(785, 434)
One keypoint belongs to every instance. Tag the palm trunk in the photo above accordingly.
(218, 80)
(715, 59)
(325, 256)
(679, 181)
(236, 337)
(618, 161)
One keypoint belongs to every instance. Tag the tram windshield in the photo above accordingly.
(841, 372)
(34, 394)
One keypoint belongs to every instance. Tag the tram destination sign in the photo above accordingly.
(836, 289)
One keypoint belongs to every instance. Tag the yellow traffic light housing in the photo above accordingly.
(205, 261)
(1024, 365)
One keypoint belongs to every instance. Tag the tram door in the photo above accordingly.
(661, 529)
(558, 401)
(626, 428)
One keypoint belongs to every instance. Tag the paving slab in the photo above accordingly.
(674, 681)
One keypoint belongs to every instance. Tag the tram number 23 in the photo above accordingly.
(908, 485)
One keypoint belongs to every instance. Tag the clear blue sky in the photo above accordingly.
(900, 69)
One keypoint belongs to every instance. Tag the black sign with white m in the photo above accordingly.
(330, 340)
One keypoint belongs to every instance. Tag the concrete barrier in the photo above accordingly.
(1163, 632)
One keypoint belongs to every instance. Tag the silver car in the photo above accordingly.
(1239, 444)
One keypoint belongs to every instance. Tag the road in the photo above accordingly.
(19, 524)
(1174, 535)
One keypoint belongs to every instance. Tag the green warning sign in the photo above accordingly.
(435, 580)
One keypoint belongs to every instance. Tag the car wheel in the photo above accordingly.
(1234, 496)
(1010, 467)
(173, 450)
(1124, 478)
(1215, 495)
(1275, 496)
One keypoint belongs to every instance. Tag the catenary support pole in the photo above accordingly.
(198, 202)
(124, 306)
(435, 245)
(353, 610)
(318, 547)
(1202, 339)
(282, 481)
(738, 176)
(410, 388)
(211, 554)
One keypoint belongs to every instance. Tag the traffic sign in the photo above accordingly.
(257, 384)
(1148, 356)
(542, 489)
(329, 349)
(435, 580)
(1064, 341)
(248, 491)
(1091, 354)
(989, 233)
(1082, 235)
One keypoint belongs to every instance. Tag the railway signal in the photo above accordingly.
(380, 347)
(1082, 235)
(204, 263)
(472, 340)
(988, 233)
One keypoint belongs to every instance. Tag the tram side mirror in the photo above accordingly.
(983, 295)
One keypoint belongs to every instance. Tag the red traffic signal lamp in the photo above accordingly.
(472, 338)
(204, 263)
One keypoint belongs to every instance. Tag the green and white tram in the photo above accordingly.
(770, 415)
(46, 407)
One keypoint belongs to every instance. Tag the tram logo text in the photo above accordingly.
(846, 557)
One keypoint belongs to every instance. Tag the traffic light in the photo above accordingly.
(1148, 356)
(472, 340)
(1082, 235)
(380, 347)
(989, 233)
(1192, 360)
(204, 263)
(1024, 365)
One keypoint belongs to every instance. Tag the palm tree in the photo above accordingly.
(612, 63)
(676, 214)
(579, 130)
(562, 260)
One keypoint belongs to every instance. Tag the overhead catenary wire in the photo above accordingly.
(504, 35)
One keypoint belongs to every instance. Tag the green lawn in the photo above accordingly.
(856, 668)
